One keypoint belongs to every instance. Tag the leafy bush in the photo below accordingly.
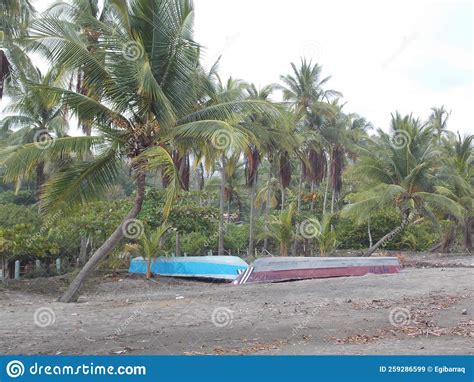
(186, 216)
(236, 237)
(418, 237)
(96, 220)
(20, 198)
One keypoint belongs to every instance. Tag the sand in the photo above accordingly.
(422, 310)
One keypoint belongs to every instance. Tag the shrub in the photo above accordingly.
(418, 237)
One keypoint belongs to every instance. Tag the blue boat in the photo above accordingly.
(207, 267)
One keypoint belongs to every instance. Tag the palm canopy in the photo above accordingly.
(148, 94)
(304, 88)
(32, 111)
(399, 169)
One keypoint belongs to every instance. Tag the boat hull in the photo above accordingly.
(273, 269)
(208, 267)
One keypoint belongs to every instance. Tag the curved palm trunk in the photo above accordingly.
(252, 213)
(72, 293)
(220, 249)
(389, 236)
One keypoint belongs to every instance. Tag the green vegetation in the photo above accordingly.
(167, 142)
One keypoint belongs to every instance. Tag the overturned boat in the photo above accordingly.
(277, 269)
(206, 267)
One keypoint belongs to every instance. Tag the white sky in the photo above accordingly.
(382, 55)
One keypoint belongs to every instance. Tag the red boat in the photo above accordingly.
(277, 269)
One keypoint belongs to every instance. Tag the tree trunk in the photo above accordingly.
(450, 238)
(4, 71)
(327, 186)
(370, 234)
(220, 249)
(72, 293)
(332, 201)
(178, 245)
(468, 234)
(39, 178)
(283, 195)
(200, 176)
(405, 221)
(83, 251)
(313, 199)
(267, 208)
(252, 212)
(148, 269)
(300, 190)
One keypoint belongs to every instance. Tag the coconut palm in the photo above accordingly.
(340, 132)
(304, 91)
(281, 229)
(34, 116)
(75, 11)
(14, 18)
(149, 246)
(147, 86)
(398, 169)
(269, 138)
(457, 183)
(439, 121)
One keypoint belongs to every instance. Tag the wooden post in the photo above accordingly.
(17, 270)
(185, 254)
(58, 265)
(38, 264)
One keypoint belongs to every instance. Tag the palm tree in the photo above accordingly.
(90, 35)
(35, 116)
(281, 229)
(14, 17)
(304, 91)
(398, 169)
(149, 246)
(145, 72)
(439, 121)
(457, 183)
(340, 132)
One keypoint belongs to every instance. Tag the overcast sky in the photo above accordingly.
(382, 55)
